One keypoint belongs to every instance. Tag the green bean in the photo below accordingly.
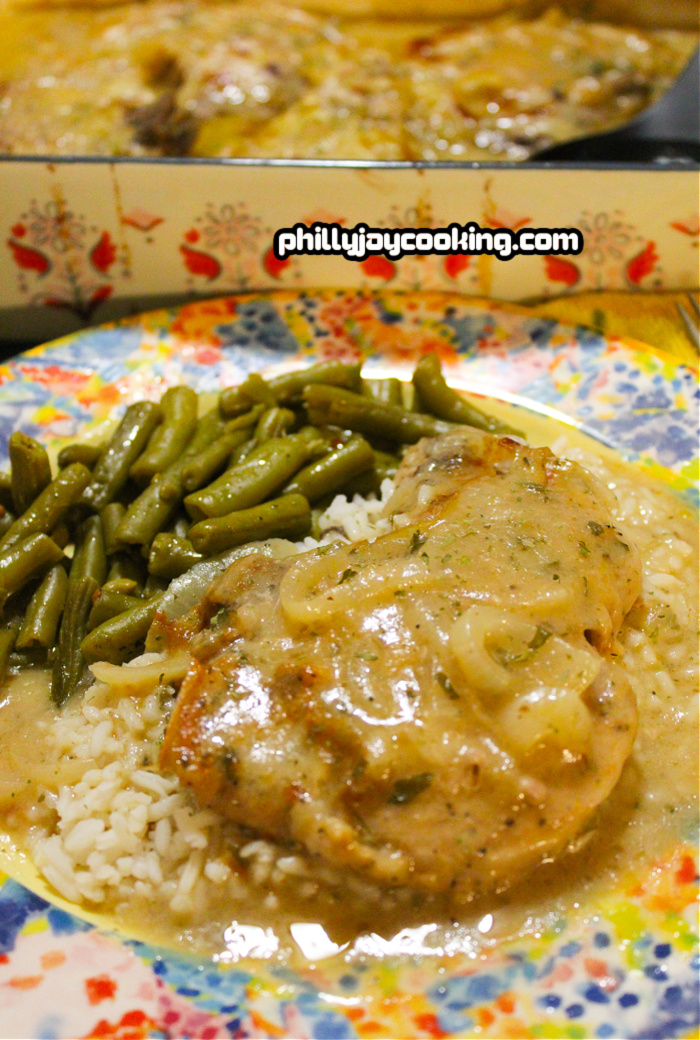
(69, 660)
(169, 440)
(154, 585)
(367, 483)
(111, 471)
(289, 387)
(111, 517)
(127, 586)
(257, 390)
(88, 454)
(286, 517)
(89, 558)
(446, 403)
(385, 464)
(266, 470)
(30, 470)
(61, 534)
(40, 623)
(121, 637)
(330, 473)
(275, 422)
(388, 391)
(209, 463)
(410, 398)
(50, 508)
(209, 428)
(25, 560)
(124, 566)
(108, 603)
(6, 490)
(7, 519)
(154, 508)
(331, 406)
(171, 556)
(8, 638)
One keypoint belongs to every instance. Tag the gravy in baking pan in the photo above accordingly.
(176, 78)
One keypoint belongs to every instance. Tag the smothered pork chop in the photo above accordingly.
(439, 708)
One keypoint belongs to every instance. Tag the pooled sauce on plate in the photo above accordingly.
(271, 905)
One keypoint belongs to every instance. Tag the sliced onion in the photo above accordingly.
(142, 678)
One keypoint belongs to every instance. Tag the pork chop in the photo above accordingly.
(439, 708)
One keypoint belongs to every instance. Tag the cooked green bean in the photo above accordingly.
(266, 470)
(89, 557)
(88, 454)
(328, 474)
(275, 422)
(8, 638)
(169, 440)
(154, 508)
(286, 517)
(30, 470)
(111, 517)
(123, 585)
(61, 534)
(257, 390)
(289, 387)
(108, 603)
(69, 661)
(388, 391)
(111, 471)
(367, 483)
(25, 560)
(446, 403)
(7, 519)
(171, 556)
(154, 585)
(6, 491)
(331, 406)
(124, 566)
(209, 428)
(50, 507)
(121, 637)
(210, 462)
(410, 398)
(41, 620)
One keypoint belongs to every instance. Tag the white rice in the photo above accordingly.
(124, 830)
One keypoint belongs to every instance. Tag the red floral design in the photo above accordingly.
(19, 231)
(456, 263)
(642, 264)
(558, 270)
(202, 264)
(273, 265)
(379, 267)
(133, 1025)
(690, 226)
(104, 253)
(192, 236)
(100, 987)
(29, 259)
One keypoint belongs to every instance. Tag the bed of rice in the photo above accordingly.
(123, 830)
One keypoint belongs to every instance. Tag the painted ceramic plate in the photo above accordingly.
(634, 973)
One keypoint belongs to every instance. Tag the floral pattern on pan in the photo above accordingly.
(634, 971)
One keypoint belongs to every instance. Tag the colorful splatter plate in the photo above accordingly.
(634, 971)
